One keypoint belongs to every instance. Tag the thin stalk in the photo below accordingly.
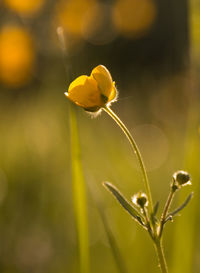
(161, 257)
(148, 223)
(165, 211)
(136, 151)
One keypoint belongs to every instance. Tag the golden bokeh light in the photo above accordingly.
(71, 15)
(24, 7)
(16, 56)
(133, 18)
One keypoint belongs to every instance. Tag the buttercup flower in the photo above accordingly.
(93, 92)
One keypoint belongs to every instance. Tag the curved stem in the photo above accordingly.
(136, 151)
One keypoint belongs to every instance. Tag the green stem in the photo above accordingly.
(148, 223)
(136, 151)
(161, 257)
(165, 211)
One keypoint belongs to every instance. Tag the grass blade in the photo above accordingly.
(79, 195)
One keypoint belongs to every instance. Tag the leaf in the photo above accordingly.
(176, 211)
(155, 209)
(124, 203)
(79, 195)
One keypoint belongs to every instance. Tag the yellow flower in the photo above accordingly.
(93, 92)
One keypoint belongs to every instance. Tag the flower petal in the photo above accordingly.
(103, 79)
(84, 92)
(113, 94)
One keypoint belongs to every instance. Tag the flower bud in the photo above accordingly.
(140, 200)
(181, 178)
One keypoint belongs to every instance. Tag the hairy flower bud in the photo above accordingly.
(181, 178)
(140, 200)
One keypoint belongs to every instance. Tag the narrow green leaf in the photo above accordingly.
(124, 203)
(153, 215)
(155, 209)
(176, 211)
(79, 195)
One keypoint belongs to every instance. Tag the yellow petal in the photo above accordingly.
(103, 79)
(78, 81)
(113, 93)
(84, 92)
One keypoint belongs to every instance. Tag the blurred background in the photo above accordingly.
(151, 48)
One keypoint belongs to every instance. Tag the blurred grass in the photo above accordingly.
(185, 238)
(79, 195)
(98, 201)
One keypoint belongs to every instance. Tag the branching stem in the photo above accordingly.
(156, 237)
